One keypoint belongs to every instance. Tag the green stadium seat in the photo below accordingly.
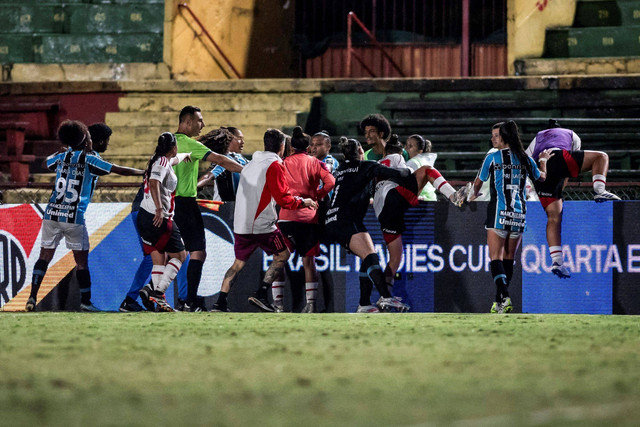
(629, 12)
(18, 48)
(29, 19)
(61, 48)
(592, 42)
(597, 13)
(116, 19)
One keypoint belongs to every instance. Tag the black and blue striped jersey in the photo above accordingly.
(507, 178)
(76, 176)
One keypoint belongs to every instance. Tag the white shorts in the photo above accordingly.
(503, 233)
(75, 235)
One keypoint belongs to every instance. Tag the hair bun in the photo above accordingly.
(166, 137)
(297, 132)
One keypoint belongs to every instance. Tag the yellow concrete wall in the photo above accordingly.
(256, 35)
(527, 21)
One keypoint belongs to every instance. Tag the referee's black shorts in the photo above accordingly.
(189, 220)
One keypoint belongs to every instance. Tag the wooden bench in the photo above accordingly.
(12, 152)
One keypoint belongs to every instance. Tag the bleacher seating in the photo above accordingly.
(75, 31)
(601, 29)
(603, 39)
(459, 125)
(27, 129)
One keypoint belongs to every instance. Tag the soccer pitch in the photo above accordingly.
(321, 369)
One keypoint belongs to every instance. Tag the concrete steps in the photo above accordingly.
(253, 107)
(211, 118)
(215, 102)
(142, 140)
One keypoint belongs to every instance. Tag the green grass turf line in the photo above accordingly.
(333, 369)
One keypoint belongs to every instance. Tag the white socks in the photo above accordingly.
(444, 187)
(599, 182)
(312, 291)
(170, 272)
(156, 275)
(277, 290)
(556, 254)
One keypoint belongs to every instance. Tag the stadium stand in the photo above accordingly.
(602, 39)
(57, 31)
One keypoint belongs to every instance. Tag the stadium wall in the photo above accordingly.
(445, 266)
(527, 22)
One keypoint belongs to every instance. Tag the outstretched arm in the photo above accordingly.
(205, 179)
(126, 171)
(384, 172)
(477, 185)
(224, 161)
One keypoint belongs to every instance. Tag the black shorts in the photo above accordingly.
(165, 238)
(189, 219)
(342, 231)
(304, 237)
(563, 164)
(391, 217)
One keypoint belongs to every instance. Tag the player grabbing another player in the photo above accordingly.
(320, 147)
(226, 183)
(393, 197)
(344, 222)
(507, 170)
(304, 174)
(568, 161)
(77, 172)
(262, 185)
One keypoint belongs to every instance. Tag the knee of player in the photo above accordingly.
(282, 256)
(182, 256)
(199, 255)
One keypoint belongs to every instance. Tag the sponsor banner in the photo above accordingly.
(463, 281)
(588, 252)
(626, 280)
(445, 266)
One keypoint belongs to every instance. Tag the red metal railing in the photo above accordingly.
(184, 6)
(350, 18)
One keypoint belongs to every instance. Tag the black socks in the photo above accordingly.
(500, 278)
(371, 266)
(194, 273)
(39, 270)
(84, 282)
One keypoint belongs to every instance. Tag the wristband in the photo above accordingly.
(543, 160)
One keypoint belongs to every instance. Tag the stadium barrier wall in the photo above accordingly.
(445, 266)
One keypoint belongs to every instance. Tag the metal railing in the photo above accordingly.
(185, 7)
(351, 17)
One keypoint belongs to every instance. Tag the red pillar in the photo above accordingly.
(464, 47)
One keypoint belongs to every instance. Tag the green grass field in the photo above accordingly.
(332, 369)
